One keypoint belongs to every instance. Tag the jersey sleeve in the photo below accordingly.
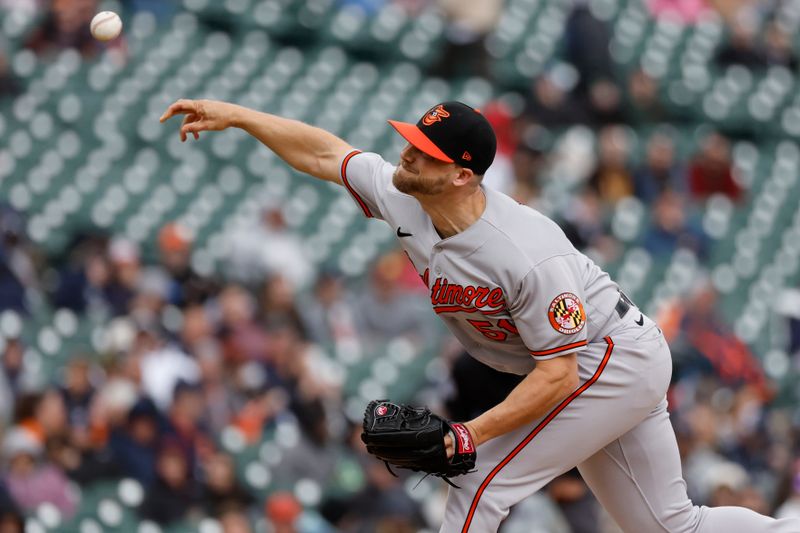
(548, 310)
(367, 177)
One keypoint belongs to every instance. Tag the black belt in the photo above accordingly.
(623, 305)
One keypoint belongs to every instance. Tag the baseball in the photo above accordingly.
(106, 25)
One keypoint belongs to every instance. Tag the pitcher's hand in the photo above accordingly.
(449, 445)
(200, 115)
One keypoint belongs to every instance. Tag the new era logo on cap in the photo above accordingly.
(453, 132)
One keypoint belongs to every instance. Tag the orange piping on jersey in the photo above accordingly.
(549, 418)
(358, 199)
(560, 349)
(457, 308)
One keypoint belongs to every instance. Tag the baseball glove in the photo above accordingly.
(413, 438)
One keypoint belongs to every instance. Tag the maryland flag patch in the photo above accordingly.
(566, 313)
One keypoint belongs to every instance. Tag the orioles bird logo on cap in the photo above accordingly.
(435, 115)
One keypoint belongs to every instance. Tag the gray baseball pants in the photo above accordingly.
(615, 428)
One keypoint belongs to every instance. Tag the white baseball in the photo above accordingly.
(106, 25)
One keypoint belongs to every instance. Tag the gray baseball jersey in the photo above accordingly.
(513, 290)
(510, 287)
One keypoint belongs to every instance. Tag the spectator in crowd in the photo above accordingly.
(587, 41)
(468, 22)
(660, 172)
(686, 11)
(605, 103)
(147, 307)
(386, 310)
(222, 492)
(162, 366)
(78, 392)
(794, 336)
(733, 10)
(315, 455)
(778, 47)
(81, 450)
(83, 465)
(43, 415)
(175, 494)
(705, 333)
(537, 512)
(711, 170)
(293, 369)
(277, 305)
(11, 382)
(185, 428)
(583, 221)
(500, 175)
(330, 316)
(612, 177)
(219, 391)
(30, 478)
(529, 163)
(643, 104)
(9, 85)
(468, 375)
(550, 102)
(124, 263)
(672, 228)
(790, 506)
(283, 511)
(85, 283)
(742, 49)
(260, 405)
(243, 338)
(235, 522)
(134, 444)
(66, 25)
(196, 335)
(578, 505)
(268, 248)
(18, 276)
(381, 505)
(186, 286)
(11, 518)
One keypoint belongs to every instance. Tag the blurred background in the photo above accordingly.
(189, 332)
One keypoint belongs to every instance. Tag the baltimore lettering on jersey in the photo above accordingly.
(447, 297)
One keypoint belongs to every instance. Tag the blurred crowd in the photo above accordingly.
(188, 357)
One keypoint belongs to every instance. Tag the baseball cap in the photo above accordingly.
(20, 441)
(453, 132)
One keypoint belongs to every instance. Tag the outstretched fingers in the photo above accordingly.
(179, 107)
(187, 127)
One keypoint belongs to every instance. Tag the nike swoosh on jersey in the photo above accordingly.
(641, 320)
(401, 233)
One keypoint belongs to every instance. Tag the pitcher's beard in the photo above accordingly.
(410, 183)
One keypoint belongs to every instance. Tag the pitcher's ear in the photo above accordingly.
(464, 177)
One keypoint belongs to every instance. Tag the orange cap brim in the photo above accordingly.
(419, 140)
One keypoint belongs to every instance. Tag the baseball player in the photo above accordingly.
(521, 299)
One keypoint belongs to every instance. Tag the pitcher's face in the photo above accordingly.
(419, 173)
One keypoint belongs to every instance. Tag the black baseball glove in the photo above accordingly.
(413, 438)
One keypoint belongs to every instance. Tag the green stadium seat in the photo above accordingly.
(147, 526)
